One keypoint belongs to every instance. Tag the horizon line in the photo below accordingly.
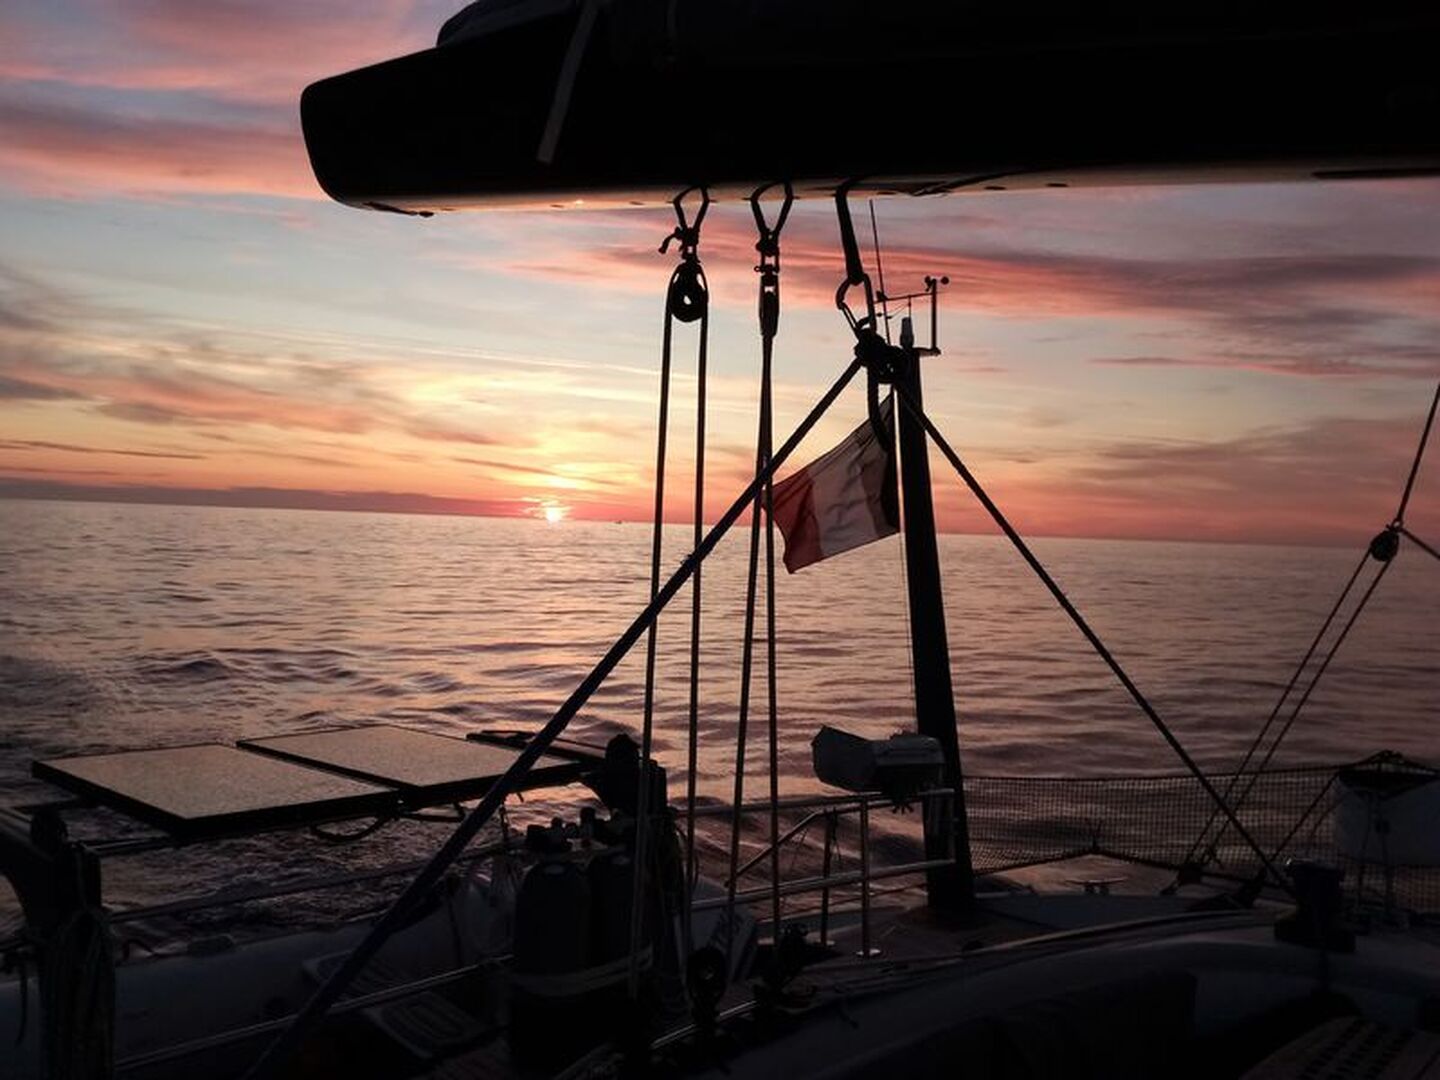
(440, 511)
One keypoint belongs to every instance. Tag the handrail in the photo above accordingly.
(803, 823)
(816, 884)
(804, 802)
(831, 804)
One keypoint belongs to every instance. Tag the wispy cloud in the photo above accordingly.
(1319, 314)
(276, 498)
(155, 97)
(12, 389)
(1332, 480)
(52, 149)
(71, 448)
(229, 50)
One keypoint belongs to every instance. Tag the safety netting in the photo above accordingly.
(1377, 820)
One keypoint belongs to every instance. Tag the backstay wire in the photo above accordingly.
(292, 1037)
(687, 299)
(908, 402)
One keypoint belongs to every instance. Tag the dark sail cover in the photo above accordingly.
(544, 102)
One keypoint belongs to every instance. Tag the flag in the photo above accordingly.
(844, 499)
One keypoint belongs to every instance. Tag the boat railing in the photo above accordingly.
(1014, 823)
(1159, 822)
(829, 810)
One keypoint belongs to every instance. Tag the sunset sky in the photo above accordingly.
(185, 317)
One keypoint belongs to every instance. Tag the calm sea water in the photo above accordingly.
(125, 626)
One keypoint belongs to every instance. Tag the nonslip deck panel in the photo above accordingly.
(211, 789)
(426, 767)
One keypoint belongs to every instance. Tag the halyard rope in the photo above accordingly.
(687, 299)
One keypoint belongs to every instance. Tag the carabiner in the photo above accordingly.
(769, 243)
(686, 232)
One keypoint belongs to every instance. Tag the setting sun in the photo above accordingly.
(554, 514)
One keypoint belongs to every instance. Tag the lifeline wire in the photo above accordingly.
(283, 1048)
(1084, 628)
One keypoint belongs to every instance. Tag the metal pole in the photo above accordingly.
(825, 867)
(865, 950)
(951, 888)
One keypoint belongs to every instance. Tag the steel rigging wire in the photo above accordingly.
(881, 360)
(1383, 549)
(1084, 627)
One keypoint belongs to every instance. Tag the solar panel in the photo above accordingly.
(428, 768)
(210, 789)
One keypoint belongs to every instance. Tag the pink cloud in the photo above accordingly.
(1318, 314)
(253, 59)
(196, 397)
(1008, 281)
(1336, 480)
(54, 150)
(226, 49)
